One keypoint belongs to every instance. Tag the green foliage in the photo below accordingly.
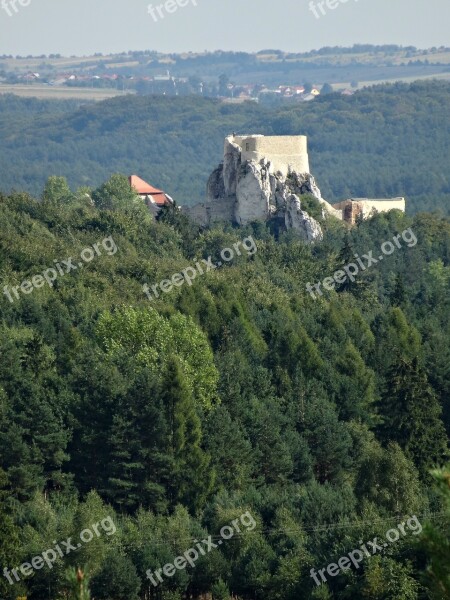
(396, 338)
(326, 89)
(153, 340)
(115, 194)
(78, 585)
(191, 479)
(390, 481)
(411, 415)
(9, 540)
(387, 580)
(328, 440)
(436, 540)
(117, 579)
(312, 206)
(220, 591)
(56, 191)
(237, 394)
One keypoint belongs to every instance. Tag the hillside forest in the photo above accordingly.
(325, 420)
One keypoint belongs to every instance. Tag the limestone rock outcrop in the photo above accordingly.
(253, 193)
(299, 220)
(245, 189)
(263, 178)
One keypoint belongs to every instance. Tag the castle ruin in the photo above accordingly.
(284, 152)
(264, 177)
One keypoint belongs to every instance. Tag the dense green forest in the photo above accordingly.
(324, 422)
(387, 141)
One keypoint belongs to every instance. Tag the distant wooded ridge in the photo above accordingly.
(356, 48)
(386, 141)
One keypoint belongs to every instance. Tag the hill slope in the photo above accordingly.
(385, 141)
(312, 423)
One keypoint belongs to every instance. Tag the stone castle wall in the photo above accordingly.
(284, 152)
(207, 213)
(366, 207)
(264, 177)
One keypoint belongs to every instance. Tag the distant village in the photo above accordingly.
(167, 84)
(269, 76)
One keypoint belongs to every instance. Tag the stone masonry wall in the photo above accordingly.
(283, 152)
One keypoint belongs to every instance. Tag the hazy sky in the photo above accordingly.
(78, 27)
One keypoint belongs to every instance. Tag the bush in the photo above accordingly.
(117, 580)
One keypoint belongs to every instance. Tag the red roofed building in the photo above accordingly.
(151, 195)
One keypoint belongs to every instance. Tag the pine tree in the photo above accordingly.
(192, 478)
(398, 295)
(411, 415)
(116, 579)
(78, 585)
(328, 439)
(346, 256)
(230, 449)
(9, 541)
(436, 540)
(356, 384)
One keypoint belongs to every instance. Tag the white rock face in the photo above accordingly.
(253, 193)
(257, 182)
(250, 190)
(231, 165)
(299, 220)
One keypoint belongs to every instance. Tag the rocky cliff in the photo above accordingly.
(246, 190)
